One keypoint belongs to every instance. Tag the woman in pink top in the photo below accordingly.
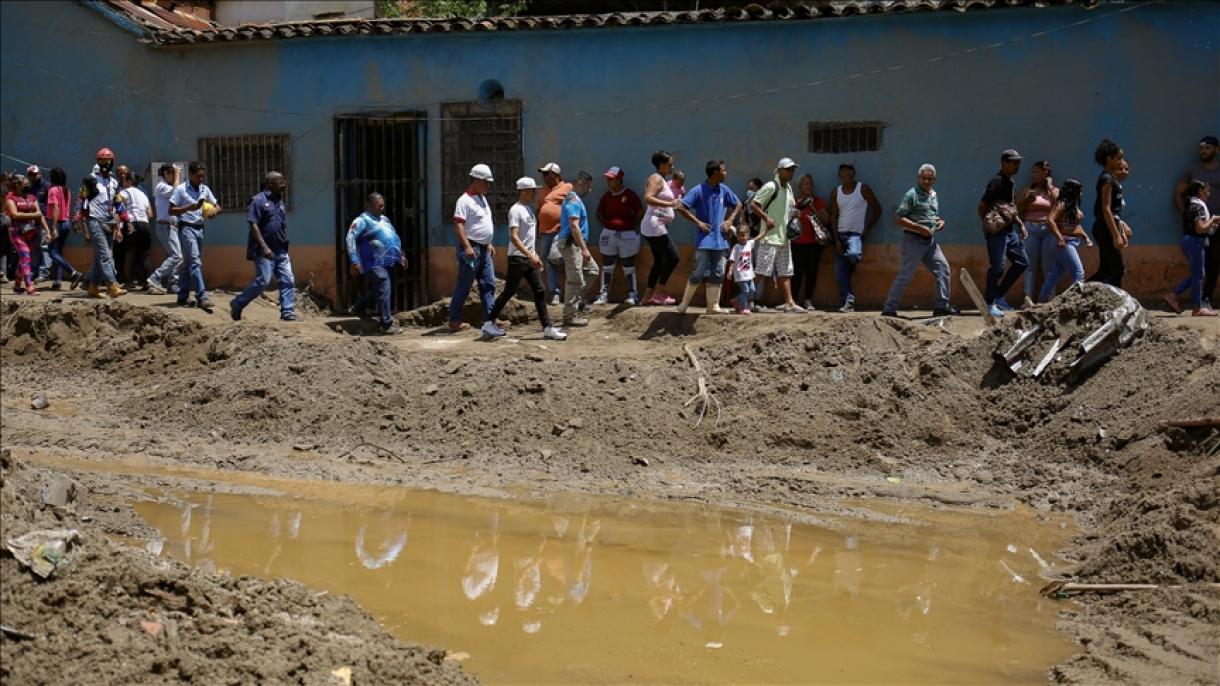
(660, 204)
(22, 209)
(59, 214)
(1035, 204)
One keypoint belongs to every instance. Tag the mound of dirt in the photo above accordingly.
(115, 615)
(517, 311)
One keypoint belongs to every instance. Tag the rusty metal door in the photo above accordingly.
(384, 154)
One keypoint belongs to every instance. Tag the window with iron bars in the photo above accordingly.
(844, 136)
(481, 132)
(237, 165)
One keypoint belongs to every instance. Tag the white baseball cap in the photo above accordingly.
(549, 167)
(786, 163)
(481, 172)
(525, 183)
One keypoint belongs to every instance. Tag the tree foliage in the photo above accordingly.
(440, 9)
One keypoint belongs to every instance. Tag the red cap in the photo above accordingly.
(613, 173)
(33, 169)
(105, 153)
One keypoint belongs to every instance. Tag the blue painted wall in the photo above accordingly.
(1148, 77)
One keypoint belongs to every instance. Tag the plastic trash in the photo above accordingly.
(44, 551)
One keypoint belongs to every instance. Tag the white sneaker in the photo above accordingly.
(601, 299)
(491, 330)
(556, 300)
(554, 333)
(681, 308)
(630, 301)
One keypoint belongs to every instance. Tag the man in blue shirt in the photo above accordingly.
(709, 202)
(188, 205)
(373, 247)
(267, 248)
(573, 240)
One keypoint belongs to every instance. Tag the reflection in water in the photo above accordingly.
(682, 594)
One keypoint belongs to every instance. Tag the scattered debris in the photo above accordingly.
(341, 676)
(703, 398)
(16, 633)
(43, 551)
(976, 297)
(431, 389)
(60, 492)
(151, 628)
(1064, 589)
(40, 402)
(641, 461)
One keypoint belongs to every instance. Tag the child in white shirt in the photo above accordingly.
(742, 268)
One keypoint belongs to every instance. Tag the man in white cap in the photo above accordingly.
(550, 205)
(474, 227)
(774, 204)
(619, 212)
(523, 263)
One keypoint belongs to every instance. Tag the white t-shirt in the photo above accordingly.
(522, 218)
(743, 261)
(474, 210)
(137, 203)
(161, 194)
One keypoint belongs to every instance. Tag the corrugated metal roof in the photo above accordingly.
(162, 27)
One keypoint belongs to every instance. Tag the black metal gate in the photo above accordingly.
(384, 154)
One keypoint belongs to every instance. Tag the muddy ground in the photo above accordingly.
(814, 409)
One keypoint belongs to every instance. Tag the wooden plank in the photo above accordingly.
(973, 291)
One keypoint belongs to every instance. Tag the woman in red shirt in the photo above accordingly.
(22, 209)
(59, 212)
(807, 249)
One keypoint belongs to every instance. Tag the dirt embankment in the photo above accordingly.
(813, 407)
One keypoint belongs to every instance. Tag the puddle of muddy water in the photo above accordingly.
(596, 591)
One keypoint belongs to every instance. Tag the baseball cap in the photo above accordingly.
(1009, 155)
(613, 173)
(549, 167)
(786, 163)
(1210, 140)
(481, 172)
(33, 169)
(526, 183)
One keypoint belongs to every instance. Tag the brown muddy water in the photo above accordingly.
(599, 591)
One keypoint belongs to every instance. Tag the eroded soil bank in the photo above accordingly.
(816, 410)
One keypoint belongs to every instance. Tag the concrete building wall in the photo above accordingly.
(1147, 76)
(234, 12)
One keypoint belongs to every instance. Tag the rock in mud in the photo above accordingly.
(40, 402)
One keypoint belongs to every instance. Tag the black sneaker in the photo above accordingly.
(290, 317)
(76, 279)
(947, 311)
(234, 312)
(206, 306)
(889, 313)
(353, 312)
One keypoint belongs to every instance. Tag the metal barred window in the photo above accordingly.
(837, 137)
(487, 132)
(236, 166)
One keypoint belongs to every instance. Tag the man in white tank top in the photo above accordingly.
(854, 211)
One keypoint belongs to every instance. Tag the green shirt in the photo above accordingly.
(921, 208)
(779, 210)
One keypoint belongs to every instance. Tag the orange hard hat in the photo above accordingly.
(105, 154)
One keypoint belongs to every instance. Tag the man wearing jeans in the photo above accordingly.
(854, 212)
(573, 240)
(550, 206)
(374, 248)
(165, 278)
(1009, 242)
(267, 247)
(101, 224)
(710, 202)
(187, 204)
(472, 222)
(919, 218)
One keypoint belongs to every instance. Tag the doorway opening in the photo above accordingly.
(383, 154)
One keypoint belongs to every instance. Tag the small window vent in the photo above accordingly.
(833, 138)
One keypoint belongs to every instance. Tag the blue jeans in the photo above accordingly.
(102, 273)
(554, 275)
(55, 249)
(709, 266)
(1195, 250)
(917, 250)
(482, 271)
(1040, 249)
(845, 264)
(377, 282)
(281, 266)
(1005, 244)
(190, 272)
(746, 292)
(166, 275)
(1067, 261)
